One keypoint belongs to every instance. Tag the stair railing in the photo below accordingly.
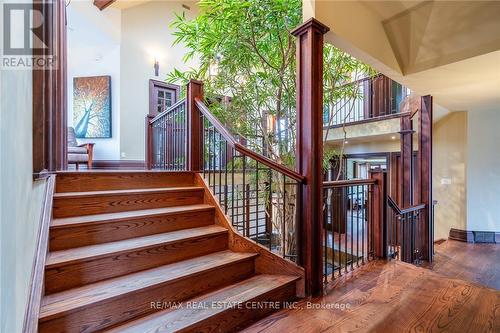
(166, 138)
(404, 229)
(260, 196)
(349, 224)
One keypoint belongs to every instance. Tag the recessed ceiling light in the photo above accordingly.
(346, 142)
(393, 137)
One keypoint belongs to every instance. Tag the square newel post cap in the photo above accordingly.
(193, 81)
(310, 23)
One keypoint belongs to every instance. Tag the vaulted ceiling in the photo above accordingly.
(450, 49)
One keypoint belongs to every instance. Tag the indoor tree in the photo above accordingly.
(245, 50)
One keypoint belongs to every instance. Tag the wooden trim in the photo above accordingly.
(348, 182)
(152, 97)
(102, 4)
(49, 93)
(370, 120)
(461, 235)
(233, 143)
(309, 162)
(35, 292)
(120, 164)
(267, 262)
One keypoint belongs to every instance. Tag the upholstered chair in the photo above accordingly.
(79, 153)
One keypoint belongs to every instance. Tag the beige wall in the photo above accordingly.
(483, 170)
(146, 35)
(20, 197)
(449, 173)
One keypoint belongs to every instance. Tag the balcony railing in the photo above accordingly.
(375, 97)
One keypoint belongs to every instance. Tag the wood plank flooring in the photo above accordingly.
(392, 297)
(478, 263)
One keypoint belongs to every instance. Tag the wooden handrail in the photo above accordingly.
(169, 110)
(233, 143)
(348, 182)
(399, 210)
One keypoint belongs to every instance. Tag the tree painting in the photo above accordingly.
(92, 106)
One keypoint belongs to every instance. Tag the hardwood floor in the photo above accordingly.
(392, 297)
(478, 263)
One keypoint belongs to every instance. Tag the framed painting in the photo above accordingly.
(92, 107)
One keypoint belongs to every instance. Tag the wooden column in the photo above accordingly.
(49, 90)
(310, 148)
(378, 212)
(194, 126)
(406, 162)
(424, 190)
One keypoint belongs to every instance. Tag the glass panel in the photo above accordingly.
(160, 93)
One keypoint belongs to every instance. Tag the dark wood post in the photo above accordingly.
(148, 129)
(194, 126)
(310, 148)
(424, 189)
(378, 213)
(406, 168)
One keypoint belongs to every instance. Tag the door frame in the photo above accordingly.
(152, 98)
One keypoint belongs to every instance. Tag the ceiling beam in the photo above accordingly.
(101, 4)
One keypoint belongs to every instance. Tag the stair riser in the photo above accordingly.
(62, 238)
(234, 319)
(99, 181)
(129, 306)
(63, 277)
(113, 203)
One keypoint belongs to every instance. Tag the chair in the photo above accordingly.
(79, 153)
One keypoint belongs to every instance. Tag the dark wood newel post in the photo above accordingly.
(194, 144)
(424, 189)
(378, 211)
(310, 148)
(149, 141)
(406, 168)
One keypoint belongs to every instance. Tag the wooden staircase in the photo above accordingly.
(152, 252)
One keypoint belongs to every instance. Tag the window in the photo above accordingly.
(162, 96)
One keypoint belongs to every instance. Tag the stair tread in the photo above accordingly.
(126, 192)
(57, 304)
(183, 316)
(119, 216)
(68, 256)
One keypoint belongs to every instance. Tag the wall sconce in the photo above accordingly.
(157, 67)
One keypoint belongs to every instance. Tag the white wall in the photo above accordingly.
(93, 50)
(21, 198)
(483, 170)
(123, 43)
(146, 35)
